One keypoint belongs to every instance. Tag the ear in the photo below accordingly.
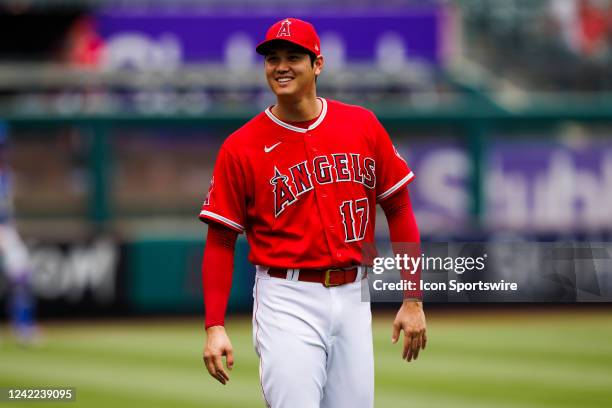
(318, 64)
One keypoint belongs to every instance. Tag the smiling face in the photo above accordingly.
(290, 72)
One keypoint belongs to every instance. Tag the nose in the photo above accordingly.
(282, 66)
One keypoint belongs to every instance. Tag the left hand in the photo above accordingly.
(411, 319)
(218, 345)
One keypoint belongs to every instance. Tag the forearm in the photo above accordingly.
(217, 268)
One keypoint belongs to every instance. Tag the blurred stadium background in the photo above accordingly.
(114, 112)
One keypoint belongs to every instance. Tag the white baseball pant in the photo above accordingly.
(314, 343)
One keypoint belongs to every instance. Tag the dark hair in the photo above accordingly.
(296, 47)
(312, 58)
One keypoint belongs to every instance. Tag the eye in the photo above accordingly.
(271, 58)
(294, 58)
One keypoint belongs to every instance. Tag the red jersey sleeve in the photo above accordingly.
(392, 172)
(404, 234)
(225, 202)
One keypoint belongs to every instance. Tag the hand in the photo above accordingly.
(218, 345)
(411, 319)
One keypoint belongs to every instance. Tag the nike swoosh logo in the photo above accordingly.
(269, 149)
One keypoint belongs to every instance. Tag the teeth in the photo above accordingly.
(283, 80)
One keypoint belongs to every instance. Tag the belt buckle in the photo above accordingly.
(327, 283)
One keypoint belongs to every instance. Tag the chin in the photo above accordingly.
(284, 92)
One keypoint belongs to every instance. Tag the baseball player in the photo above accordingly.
(14, 257)
(302, 180)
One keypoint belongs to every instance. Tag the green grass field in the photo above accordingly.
(543, 359)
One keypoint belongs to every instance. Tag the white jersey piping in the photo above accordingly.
(395, 187)
(279, 122)
(222, 220)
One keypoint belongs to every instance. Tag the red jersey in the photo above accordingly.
(306, 198)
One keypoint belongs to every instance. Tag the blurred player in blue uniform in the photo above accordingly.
(14, 257)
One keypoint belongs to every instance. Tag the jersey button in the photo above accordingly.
(339, 254)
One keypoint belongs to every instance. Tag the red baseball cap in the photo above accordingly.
(292, 30)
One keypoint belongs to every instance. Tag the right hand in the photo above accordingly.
(218, 345)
